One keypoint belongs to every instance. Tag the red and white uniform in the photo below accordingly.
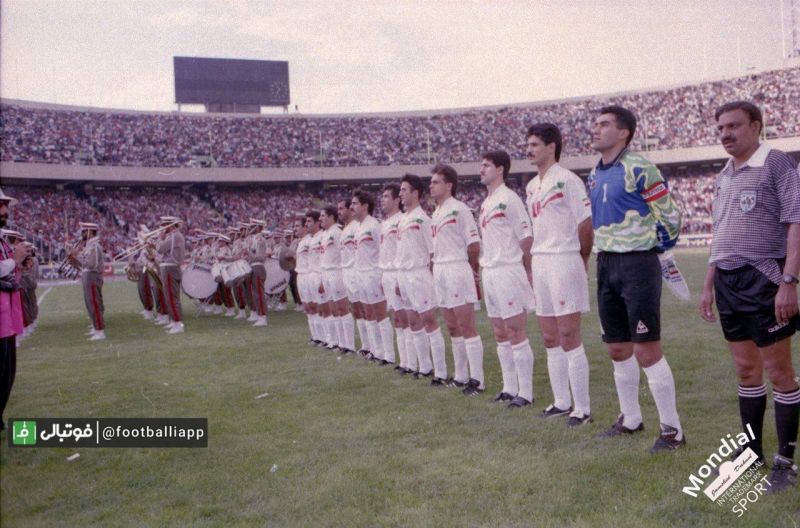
(413, 258)
(368, 235)
(347, 252)
(504, 224)
(330, 263)
(389, 233)
(454, 229)
(557, 203)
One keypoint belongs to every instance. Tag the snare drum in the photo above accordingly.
(235, 272)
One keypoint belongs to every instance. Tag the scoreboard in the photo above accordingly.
(231, 81)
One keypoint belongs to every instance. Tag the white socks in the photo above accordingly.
(662, 385)
(523, 362)
(401, 346)
(578, 367)
(423, 356)
(347, 329)
(461, 373)
(411, 350)
(375, 339)
(437, 351)
(558, 369)
(626, 377)
(363, 333)
(387, 339)
(474, 347)
(506, 357)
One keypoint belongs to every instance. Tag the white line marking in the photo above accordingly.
(41, 299)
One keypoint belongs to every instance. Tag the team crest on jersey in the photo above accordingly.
(747, 200)
(497, 212)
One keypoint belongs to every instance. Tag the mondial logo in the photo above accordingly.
(728, 445)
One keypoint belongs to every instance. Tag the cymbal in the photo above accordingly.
(286, 259)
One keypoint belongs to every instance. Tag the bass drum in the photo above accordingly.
(277, 278)
(198, 283)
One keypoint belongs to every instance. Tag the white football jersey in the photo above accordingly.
(415, 240)
(454, 229)
(504, 224)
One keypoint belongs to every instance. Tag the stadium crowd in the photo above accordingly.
(51, 216)
(670, 118)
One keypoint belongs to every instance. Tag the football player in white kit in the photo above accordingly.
(308, 280)
(370, 293)
(333, 291)
(506, 234)
(415, 280)
(561, 223)
(392, 211)
(456, 250)
(347, 252)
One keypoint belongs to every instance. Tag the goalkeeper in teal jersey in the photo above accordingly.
(633, 216)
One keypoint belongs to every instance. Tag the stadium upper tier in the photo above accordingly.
(673, 118)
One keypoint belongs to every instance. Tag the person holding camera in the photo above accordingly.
(10, 306)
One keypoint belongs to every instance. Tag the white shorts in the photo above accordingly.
(506, 291)
(334, 285)
(369, 286)
(455, 284)
(389, 283)
(350, 278)
(312, 282)
(417, 289)
(560, 285)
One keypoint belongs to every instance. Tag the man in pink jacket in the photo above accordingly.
(10, 306)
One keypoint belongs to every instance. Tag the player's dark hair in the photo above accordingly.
(314, 215)
(365, 198)
(624, 117)
(347, 202)
(549, 134)
(415, 182)
(394, 189)
(499, 158)
(332, 210)
(752, 111)
(449, 175)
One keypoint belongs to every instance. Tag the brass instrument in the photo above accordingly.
(70, 267)
(143, 243)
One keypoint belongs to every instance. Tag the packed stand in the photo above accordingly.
(672, 118)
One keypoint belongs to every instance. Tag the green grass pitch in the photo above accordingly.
(354, 444)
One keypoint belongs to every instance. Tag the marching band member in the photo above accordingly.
(91, 264)
(171, 251)
(221, 254)
(30, 272)
(257, 257)
(10, 306)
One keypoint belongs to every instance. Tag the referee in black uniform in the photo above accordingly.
(753, 269)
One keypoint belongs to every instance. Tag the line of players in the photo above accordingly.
(531, 255)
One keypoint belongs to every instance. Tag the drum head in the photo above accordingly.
(198, 283)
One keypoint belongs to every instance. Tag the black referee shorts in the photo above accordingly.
(746, 304)
(629, 296)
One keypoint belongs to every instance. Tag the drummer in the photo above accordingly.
(238, 252)
(222, 256)
(256, 257)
